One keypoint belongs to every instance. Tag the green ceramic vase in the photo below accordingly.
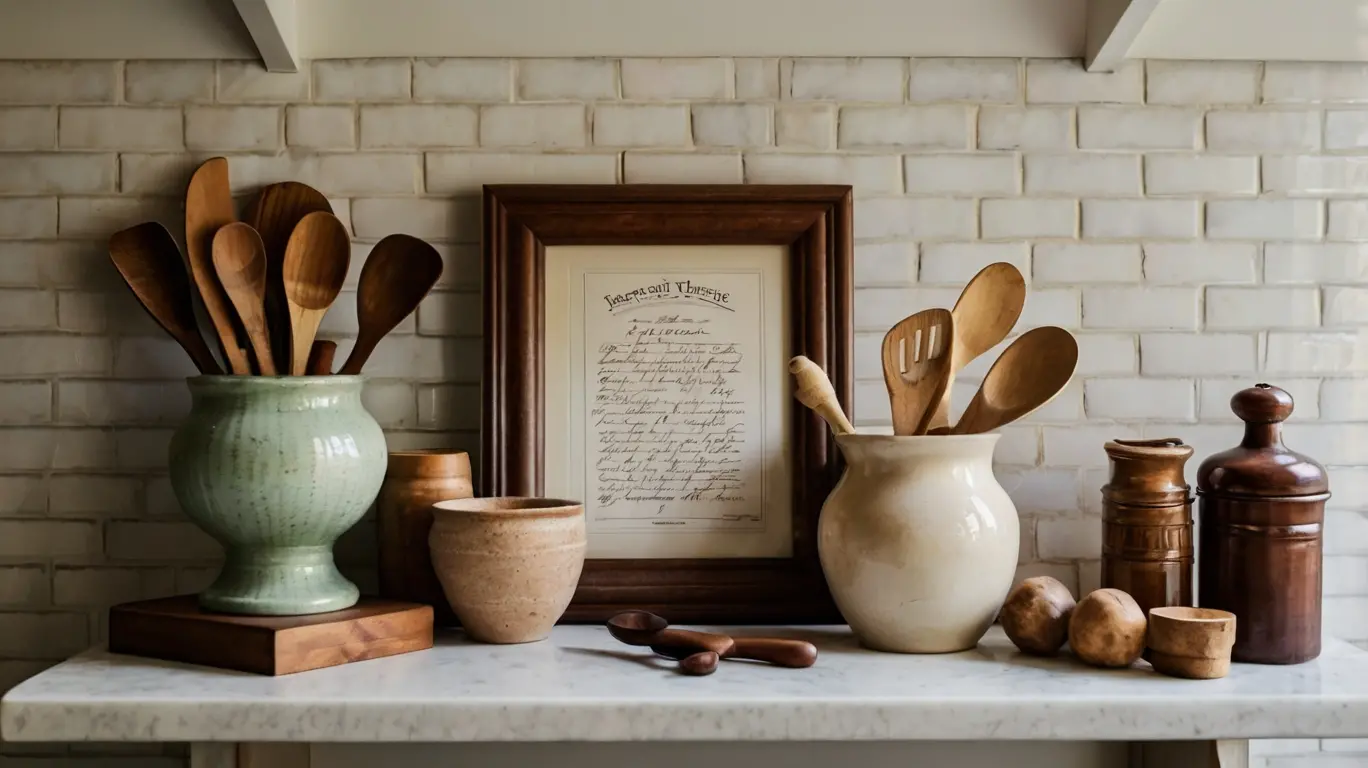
(276, 468)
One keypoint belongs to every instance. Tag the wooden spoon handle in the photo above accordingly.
(815, 391)
(321, 358)
(679, 643)
(797, 654)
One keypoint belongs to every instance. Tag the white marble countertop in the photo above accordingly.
(584, 686)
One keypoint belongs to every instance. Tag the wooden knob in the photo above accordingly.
(814, 390)
(1262, 404)
(699, 664)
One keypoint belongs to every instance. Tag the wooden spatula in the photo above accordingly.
(398, 273)
(316, 260)
(240, 262)
(1030, 372)
(985, 314)
(916, 367)
(208, 206)
(150, 262)
(815, 391)
(274, 214)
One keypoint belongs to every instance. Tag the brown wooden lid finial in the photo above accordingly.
(1261, 465)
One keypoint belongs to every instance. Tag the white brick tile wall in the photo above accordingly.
(1139, 128)
(1109, 174)
(1195, 239)
(1202, 82)
(1025, 128)
(677, 79)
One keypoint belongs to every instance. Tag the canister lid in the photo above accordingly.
(1147, 472)
(1261, 465)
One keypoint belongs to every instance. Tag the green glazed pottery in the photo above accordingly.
(276, 468)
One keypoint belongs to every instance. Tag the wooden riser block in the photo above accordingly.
(176, 629)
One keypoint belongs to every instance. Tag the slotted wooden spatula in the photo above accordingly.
(916, 367)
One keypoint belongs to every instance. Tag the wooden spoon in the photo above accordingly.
(645, 628)
(984, 315)
(1030, 372)
(321, 358)
(815, 391)
(151, 264)
(399, 272)
(208, 206)
(916, 367)
(699, 664)
(316, 261)
(274, 214)
(240, 261)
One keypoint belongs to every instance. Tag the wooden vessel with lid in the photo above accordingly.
(1147, 522)
(1262, 511)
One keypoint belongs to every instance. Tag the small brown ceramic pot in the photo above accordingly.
(1190, 642)
(414, 481)
(509, 565)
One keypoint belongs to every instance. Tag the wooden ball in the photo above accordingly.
(1036, 615)
(1107, 629)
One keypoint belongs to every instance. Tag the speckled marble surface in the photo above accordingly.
(583, 686)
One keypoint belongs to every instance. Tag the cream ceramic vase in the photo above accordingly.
(918, 541)
(509, 565)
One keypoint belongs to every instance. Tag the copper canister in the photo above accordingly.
(414, 481)
(1147, 522)
(1262, 508)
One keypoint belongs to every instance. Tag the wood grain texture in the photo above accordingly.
(414, 481)
(149, 261)
(274, 214)
(176, 629)
(1147, 548)
(240, 263)
(321, 356)
(397, 275)
(814, 224)
(916, 368)
(209, 206)
(985, 314)
(317, 257)
(1030, 373)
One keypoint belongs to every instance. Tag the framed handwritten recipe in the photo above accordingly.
(637, 343)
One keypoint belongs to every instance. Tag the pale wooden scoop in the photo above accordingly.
(985, 314)
(399, 272)
(316, 261)
(1030, 372)
(916, 368)
(150, 262)
(209, 206)
(275, 213)
(815, 391)
(240, 261)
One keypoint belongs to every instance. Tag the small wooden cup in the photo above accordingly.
(1190, 642)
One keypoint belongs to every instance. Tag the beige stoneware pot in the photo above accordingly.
(509, 565)
(918, 541)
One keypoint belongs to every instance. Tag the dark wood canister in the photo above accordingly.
(1147, 522)
(414, 481)
(1262, 508)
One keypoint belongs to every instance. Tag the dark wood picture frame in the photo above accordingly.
(815, 224)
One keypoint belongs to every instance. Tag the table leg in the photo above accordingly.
(250, 755)
(1223, 753)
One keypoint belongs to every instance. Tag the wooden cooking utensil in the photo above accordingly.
(316, 261)
(984, 315)
(815, 391)
(1030, 372)
(275, 213)
(208, 206)
(397, 275)
(916, 368)
(150, 262)
(699, 664)
(240, 262)
(645, 628)
(321, 357)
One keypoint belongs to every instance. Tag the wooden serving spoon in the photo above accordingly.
(275, 213)
(151, 264)
(321, 357)
(399, 272)
(1030, 372)
(316, 260)
(916, 367)
(645, 628)
(699, 664)
(209, 206)
(815, 391)
(240, 262)
(984, 315)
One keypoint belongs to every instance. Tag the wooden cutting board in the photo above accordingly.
(176, 629)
